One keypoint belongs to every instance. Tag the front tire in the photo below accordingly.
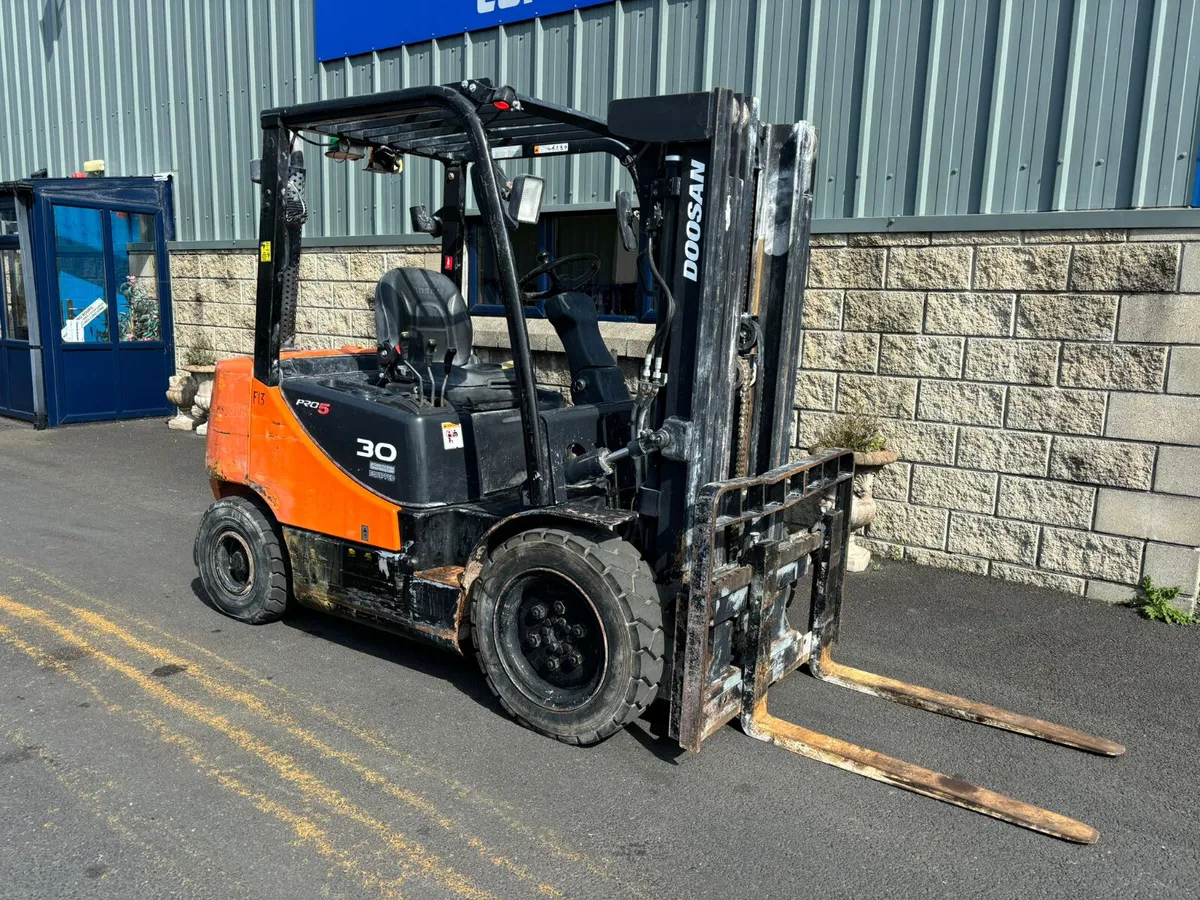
(568, 629)
(242, 563)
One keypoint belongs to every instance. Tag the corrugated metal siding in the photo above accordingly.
(925, 107)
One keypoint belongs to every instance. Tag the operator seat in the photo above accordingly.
(428, 306)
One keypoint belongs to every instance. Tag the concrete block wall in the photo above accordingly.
(213, 296)
(1042, 389)
(214, 293)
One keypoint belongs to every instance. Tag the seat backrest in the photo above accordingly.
(428, 306)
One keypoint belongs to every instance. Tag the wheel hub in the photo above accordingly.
(234, 563)
(560, 651)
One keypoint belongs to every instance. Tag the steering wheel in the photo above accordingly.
(588, 263)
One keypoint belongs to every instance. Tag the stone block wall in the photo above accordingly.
(1041, 388)
(213, 292)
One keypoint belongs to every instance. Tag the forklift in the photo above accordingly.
(644, 540)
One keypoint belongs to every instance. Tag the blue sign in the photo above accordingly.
(347, 29)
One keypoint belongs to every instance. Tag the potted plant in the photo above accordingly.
(191, 391)
(181, 390)
(859, 431)
(140, 320)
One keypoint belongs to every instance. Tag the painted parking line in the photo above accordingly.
(547, 842)
(410, 854)
(305, 829)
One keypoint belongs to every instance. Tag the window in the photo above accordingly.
(527, 242)
(614, 287)
(138, 307)
(79, 258)
(12, 289)
(8, 215)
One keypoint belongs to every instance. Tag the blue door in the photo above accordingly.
(109, 308)
(16, 375)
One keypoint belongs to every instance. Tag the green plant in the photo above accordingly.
(856, 430)
(139, 321)
(200, 353)
(1154, 603)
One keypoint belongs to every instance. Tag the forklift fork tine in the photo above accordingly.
(958, 707)
(898, 773)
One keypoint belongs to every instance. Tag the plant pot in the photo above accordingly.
(863, 508)
(202, 399)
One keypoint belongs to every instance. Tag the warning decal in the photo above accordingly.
(452, 436)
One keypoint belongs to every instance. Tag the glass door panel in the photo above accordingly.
(139, 310)
(82, 288)
(16, 316)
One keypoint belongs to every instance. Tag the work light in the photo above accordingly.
(525, 199)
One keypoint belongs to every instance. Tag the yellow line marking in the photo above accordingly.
(545, 838)
(284, 765)
(306, 831)
(118, 821)
(285, 721)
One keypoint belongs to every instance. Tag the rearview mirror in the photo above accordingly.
(625, 217)
(525, 199)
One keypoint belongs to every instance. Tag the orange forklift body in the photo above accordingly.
(255, 442)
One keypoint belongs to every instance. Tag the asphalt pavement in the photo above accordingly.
(151, 747)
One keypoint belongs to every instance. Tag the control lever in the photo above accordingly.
(403, 351)
(449, 364)
(430, 350)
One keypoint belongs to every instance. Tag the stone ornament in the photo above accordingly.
(191, 392)
(863, 508)
(203, 400)
(181, 391)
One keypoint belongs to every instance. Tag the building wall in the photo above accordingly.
(214, 292)
(924, 107)
(1041, 388)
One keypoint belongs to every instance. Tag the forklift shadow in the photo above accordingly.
(651, 732)
(460, 672)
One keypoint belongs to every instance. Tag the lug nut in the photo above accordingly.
(534, 640)
(578, 631)
(552, 664)
(575, 659)
(538, 612)
(559, 607)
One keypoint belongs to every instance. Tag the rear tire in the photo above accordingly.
(568, 629)
(242, 563)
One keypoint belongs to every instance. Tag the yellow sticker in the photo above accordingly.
(264, 251)
(452, 436)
